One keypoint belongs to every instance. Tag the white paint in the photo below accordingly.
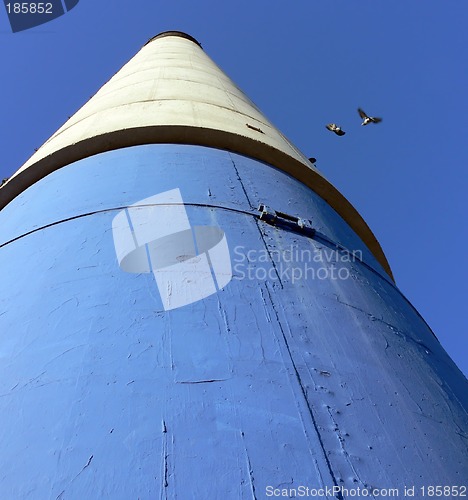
(171, 81)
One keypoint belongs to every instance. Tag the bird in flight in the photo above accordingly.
(368, 119)
(334, 128)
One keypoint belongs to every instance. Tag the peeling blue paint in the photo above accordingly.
(271, 381)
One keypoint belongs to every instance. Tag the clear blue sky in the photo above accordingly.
(304, 63)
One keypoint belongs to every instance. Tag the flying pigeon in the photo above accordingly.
(334, 128)
(368, 119)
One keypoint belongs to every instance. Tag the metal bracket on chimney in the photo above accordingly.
(285, 221)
